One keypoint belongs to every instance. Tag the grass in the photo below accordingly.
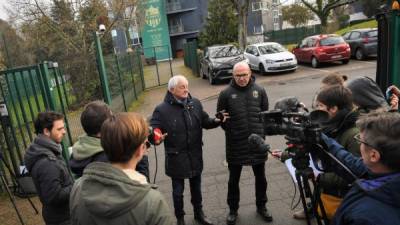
(368, 24)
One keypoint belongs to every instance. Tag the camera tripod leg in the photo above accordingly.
(300, 180)
(318, 203)
(12, 199)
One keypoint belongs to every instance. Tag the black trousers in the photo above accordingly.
(178, 186)
(233, 186)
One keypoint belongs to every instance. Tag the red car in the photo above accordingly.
(322, 48)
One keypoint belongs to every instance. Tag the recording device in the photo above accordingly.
(388, 93)
(303, 134)
(258, 143)
(219, 115)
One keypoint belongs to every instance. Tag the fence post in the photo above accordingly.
(155, 58)
(138, 53)
(102, 69)
(120, 82)
(47, 89)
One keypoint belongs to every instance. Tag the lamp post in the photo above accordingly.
(102, 68)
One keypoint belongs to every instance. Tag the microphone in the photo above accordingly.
(257, 142)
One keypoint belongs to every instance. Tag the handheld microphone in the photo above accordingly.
(257, 142)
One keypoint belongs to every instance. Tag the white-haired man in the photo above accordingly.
(243, 100)
(180, 119)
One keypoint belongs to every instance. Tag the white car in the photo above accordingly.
(270, 57)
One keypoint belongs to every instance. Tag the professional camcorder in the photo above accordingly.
(300, 127)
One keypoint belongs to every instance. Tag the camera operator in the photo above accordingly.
(244, 100)
(337, 102)
(375, 197)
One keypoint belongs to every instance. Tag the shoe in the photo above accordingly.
(263, 212)
(180, 221)
(299, 215)
(201, 218)
(231, 218)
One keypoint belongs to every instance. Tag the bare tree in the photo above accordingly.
(323, 8)
(242, 8)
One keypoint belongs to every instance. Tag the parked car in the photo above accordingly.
(218, 62)
(322, 48)
(270, 57)
(363, 42)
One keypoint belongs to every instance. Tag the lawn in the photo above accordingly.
(368, 24)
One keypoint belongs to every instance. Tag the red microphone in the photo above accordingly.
(157, 134)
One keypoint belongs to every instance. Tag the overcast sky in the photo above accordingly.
(3, 14)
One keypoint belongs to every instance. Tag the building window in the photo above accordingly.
(275, 14)
(260, 5)
(275, 2)
(276, 26)
(258, 29)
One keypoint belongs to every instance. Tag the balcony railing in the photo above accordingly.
(176, 29)
(174, 6)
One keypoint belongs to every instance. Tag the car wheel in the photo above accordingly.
(261, 69)
(314, 62)
(210, 78)
(345, 61)
(359, 54)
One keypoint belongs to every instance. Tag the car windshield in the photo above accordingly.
(331, 41)
(372, 33)
(225, 51)
(271, 49)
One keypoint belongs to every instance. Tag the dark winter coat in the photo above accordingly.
(105, 195)
(372, 200)
(51, 178)
(244, 105)
(183, 145)
(88, 149)
(343, 129)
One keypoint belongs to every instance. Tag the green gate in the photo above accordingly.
(24, 92)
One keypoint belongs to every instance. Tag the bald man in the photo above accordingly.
(243, 100)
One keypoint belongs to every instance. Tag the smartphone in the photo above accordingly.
(388, 93)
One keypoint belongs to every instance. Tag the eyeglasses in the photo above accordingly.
(242, 75)
(358, 139)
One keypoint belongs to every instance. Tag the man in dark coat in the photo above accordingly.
(243, 100)
(375, 196)
(88, 148)
(49, 172)
(180, 119)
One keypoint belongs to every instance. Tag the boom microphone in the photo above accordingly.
(257, 142)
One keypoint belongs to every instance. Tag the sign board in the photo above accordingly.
(156, 42)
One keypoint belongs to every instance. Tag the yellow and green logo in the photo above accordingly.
(153, 17)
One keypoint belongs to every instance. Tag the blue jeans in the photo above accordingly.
(178, 186)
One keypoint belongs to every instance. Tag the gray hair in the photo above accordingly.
(173, 81)
(239, 64)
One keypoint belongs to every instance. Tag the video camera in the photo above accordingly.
(300, 127)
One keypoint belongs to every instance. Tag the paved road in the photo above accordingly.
(303, 83)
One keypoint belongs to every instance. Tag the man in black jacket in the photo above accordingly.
(243, 100)
(49, 172)
(180, 119)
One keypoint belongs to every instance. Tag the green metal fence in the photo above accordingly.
(24, 92)
(191, 58)
(292, 36)
(125, 79)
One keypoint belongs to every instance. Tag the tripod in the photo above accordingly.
(304, 176)
(10, 195)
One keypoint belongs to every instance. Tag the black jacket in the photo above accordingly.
(51, 178)
(244, 105)
(183, 144)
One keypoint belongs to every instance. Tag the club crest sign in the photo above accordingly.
(153, 16)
